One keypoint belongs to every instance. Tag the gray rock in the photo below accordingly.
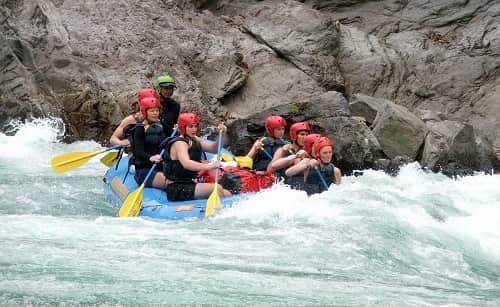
(391, 166)
(366, 106)
(305, 37)
(398, 131)
(450, 142)
(429, 115)
(355, 145)
(84, 62)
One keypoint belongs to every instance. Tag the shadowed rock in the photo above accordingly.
(450, 142)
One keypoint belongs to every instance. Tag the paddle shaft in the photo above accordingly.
(323, 181)
(133, 203)
(267, 153)
(219, 148)
(153, 167)
(213, 201)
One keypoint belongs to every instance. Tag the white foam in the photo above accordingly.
(30, 145)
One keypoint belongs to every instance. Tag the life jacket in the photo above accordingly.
(296, 181)
(280, 173)
(313, 183)
(128, 132)
(270, 145)
(154, 135)
(173, 169)
(238, 180)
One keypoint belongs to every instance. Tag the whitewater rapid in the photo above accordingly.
(416, 239)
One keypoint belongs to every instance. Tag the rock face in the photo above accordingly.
(450, 142)
(385, 79)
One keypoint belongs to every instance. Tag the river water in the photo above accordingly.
(418, 239)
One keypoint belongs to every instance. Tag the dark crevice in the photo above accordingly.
(22, 52)
(279, 54)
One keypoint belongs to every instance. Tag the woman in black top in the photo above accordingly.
(148, 135)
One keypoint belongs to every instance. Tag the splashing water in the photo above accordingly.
(417, 239)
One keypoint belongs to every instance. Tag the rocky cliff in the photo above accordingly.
(388, 80)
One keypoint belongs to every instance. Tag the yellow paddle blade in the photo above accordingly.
(244, 162)
(213, 202)
(226, 157)
(132, 205)
(109, 158)
(71, 160)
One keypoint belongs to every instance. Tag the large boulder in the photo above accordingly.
(398, 131)
(449, 142)
(484, 118)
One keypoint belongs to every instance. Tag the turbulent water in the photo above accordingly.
(418, 239)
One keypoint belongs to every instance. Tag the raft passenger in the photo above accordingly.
(323, 154)
(119, 136)
(182, 162)
(148, 135)
(263, 149)
(289, 154)
(170, 108)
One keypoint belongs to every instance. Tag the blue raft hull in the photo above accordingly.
(155, 202)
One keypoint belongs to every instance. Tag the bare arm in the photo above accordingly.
(300, 167)
(255, 148)
(180, 149)
(279, 161)
(118, 136)
(212, 147)
(338, 175)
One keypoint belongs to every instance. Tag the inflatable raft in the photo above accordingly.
(155, 202)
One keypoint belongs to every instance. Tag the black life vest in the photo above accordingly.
(261, 159)
(280, 173)
(154, 135)
(296, 181)
(173, 169)
(313, 182)
(128, 132)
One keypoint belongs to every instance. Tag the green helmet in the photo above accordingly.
(164, 81)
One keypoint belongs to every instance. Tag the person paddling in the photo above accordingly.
(296, 170)
(148, 135)
(263, 149)
(182, 162)
(284, 156)
(322, 153)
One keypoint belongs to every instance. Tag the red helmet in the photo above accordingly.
(274, 122)
(320, 143)
(295, 128)
(187, 119)
(309, 141)
(148, 103)
(146, 92)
